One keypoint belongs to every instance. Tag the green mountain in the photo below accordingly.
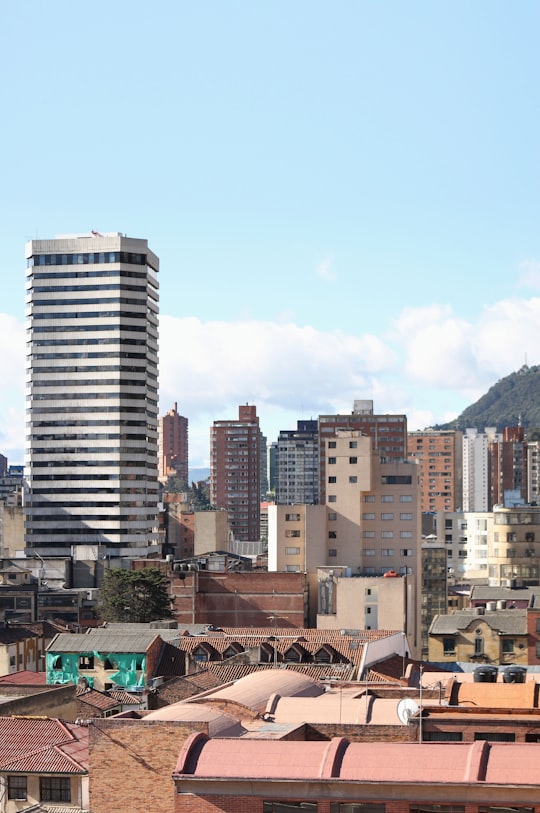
(514, 398)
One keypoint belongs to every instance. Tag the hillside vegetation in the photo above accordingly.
(512, 398)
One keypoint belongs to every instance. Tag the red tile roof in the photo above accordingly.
(42, 746)
(24, 678)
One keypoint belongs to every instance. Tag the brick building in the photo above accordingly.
(173, 446)
(235, 472)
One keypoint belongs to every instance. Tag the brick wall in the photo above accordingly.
(131, 764)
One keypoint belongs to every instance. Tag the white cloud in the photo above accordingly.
(530, 274)
(325, 270)
(430, 366)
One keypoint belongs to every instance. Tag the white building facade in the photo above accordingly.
(91, 394)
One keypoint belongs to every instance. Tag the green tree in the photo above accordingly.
(136, 596)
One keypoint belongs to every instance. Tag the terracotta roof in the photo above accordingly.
(98, 700)
(348, 645)
(24, 678)
(42, 746)
(499, 764)
(121, 696)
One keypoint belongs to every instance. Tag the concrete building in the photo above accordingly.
(439, 454)
(514, 547)
(371, 521)
(508, 464)
(388, 432)
(297, 463)
(476, 469)
(465, 536)
(533, 471)
(92, 394)
(366, 602)
(235, 472)
(173, 446)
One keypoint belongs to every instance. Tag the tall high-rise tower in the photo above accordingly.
(173, 446)
(235, 449)
(92, 394)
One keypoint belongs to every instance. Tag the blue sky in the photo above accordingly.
(344, 196)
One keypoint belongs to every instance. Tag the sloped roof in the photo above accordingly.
(42, 746)
(99, 700)
(24, 678)
(102, 641)
(507, 622)
(348, 645)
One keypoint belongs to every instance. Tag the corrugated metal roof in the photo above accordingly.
(102, 641)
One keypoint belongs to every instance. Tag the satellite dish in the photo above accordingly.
(406, 708)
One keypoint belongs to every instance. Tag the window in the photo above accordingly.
(427, 808)
(292, 551)
(405, 534)
(86, 662)
(331, 460)
(479, 646)
(17, 787)
(353, 479)
(405, 516)
(495, 736)
(353, 460)
(332, 498)
(368, 534)
(442, 736)
(332, 535)
(369, 498)
(387, 552)
(332, 516)
(290, 534)
(331, 444)
(54, 789)
(508, 646)
(387, 516)
(288, 807)
(371, 552)
(387, 498)
(353, 444)
(387, 534)
(292, 517)
(332, 479)
(332, 551)
(449, 646)
(292, 568)
(406, 552)
(368, 516)
(405, 498)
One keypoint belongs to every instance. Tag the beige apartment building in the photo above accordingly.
(370, 525)
(514, 546)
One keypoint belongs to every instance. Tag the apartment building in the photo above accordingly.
(92, 394)
(297, 465)
(235, 472)
(388, 433)
(439, 455)
(514, 546)
(173, 446)
(476, 468)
